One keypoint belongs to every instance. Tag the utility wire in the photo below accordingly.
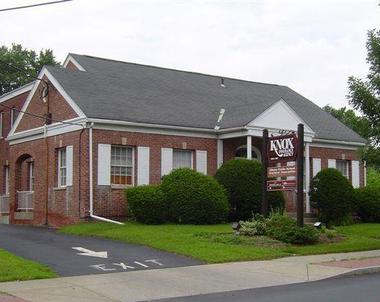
(40, 116)
(33, 5)
(32, 114)
(24, 72)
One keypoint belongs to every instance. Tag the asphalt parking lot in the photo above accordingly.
(75, 255)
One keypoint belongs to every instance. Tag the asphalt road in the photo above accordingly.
(75, 255)
(349, 289)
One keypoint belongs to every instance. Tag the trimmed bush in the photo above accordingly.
(242, 179)
(285, 229)
(333, 196)
(368, 203)
(194, 198)
(147, 204)
(256, 227)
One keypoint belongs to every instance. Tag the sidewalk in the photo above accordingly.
(185, 281)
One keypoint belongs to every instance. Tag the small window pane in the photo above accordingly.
(121, 165)
(62, 167)
(342, 167)
(182, 159)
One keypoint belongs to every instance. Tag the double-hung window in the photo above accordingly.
(121, 165)
(62, 167)
(182, 159)
(342, 167)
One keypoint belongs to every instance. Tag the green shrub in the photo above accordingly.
(333, 196)
(373, 177)
(368, 203)
(147, 204)
(255, 227)
(285, 229)
(242, 179)
(194, 198)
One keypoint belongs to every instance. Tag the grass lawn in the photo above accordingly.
(16, 268)
(216, 243)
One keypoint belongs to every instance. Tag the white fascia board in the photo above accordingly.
(55, 83)
(327, 141)
(281, 108)
(336, 145)
(51, 130)
(68, 59)
(104, 124)
(16, 92)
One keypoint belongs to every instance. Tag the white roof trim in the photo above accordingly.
(55, 83)
(68, 59)
(51, 130)
(328, 141)
(281, 104)
(16, 92)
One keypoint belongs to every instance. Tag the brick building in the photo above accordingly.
(115, 124)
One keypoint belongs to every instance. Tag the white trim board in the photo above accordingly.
(51, 130)
(280, 116)
(55, 83)
(152, 128)
(70, 58)
(16, 92)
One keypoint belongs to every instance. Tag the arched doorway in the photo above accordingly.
(241, 152)
(24, 185)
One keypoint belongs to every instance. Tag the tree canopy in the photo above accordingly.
(19, 66)
(364, 94)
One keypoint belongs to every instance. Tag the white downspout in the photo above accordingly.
(92, 184)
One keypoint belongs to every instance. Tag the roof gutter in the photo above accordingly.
(321, 140)
(92, 184)
(147, 125)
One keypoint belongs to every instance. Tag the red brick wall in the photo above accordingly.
(71, 66)
(63, 203)
(16, 102)
(59, 109)
(109, 201)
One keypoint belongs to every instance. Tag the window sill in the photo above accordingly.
(120, 187)
(60, 188)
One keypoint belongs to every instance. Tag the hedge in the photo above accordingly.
(194, 198)
(333, 196)
(368, 203)
(242, 179)
(147, 204)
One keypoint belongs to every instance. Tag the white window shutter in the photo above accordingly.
(331, 163)
(166, 161)
(201, 161)
(104, 164)
(69, 165)
(143, 166)
(355, 173)
(316, 166)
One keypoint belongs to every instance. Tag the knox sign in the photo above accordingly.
(282, 148)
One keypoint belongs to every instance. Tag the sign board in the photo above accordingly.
(281, 185)
(284, 171)
(282, 148)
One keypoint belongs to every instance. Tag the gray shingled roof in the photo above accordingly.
(139, 93)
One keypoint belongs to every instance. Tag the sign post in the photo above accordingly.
(300, 163)
(277, 152)
(265, 207)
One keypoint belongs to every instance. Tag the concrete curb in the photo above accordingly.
(357, 271)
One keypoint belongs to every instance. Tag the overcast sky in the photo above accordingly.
(310, 45)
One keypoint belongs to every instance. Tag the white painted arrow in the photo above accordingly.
(86, 252)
